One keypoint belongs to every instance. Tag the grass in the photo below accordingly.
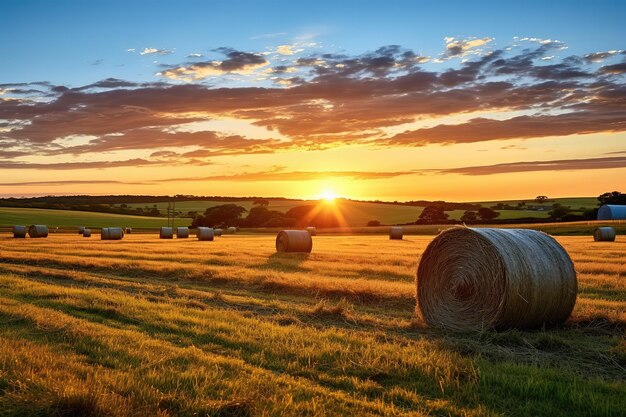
(69, 218)
(144, 326)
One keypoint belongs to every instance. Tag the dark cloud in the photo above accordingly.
(614, 69)
(69, 182)
(235, 62)
(77, 165)
(557, 165)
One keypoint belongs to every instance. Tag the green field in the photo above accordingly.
(68, 218)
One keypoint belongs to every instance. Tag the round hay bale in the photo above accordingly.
(128, 230)
(294, 241)
(111, 233)
(312, 230)
(38, 231)
(19, 231)
(218, 232)
(612, 212)
(473, 279)
(205, 233)
(182, 232)
(81, 230)
(166, 233)
(604, 234)
(396, 233)
(231, 230)
(86, 233)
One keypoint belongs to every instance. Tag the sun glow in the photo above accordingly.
(328, 195)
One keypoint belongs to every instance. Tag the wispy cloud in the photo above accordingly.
(155, 51)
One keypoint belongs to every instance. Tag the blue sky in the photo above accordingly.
(60, 41)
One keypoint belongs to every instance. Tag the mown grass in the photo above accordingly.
(230, 328)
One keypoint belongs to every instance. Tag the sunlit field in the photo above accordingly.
(152, 327)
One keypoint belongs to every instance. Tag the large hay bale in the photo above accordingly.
(312, 230)
(182, 232)
(111, 233)
(396, 233)
(294, 241)
(218, 232)
(81, 230)
(612, 212)
(604, 234)
(38, 231)
(128, 230)
(19, 231)
(472, 279)
(205, 233)
(86, 233)
(231, 230)
(166, 233)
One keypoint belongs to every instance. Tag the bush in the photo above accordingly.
(373, 223)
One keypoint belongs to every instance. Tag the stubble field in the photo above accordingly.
(145, 326)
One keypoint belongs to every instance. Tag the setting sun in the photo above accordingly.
(329, 196)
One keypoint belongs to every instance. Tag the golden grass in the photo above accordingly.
(144, 326)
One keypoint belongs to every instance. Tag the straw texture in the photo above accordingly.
(182, 232)
(19, 231)
(205, 233)
(473, 279)
(604, 234)
(294, 241)
(38, 231)
(396, 233)
(166, 233)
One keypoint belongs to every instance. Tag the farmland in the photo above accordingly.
(179, 328)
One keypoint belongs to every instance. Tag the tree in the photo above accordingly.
(155, 212)
(469, 216)
(373, 223)
(487, 214)
(261, 202)
(559, 212)
(432, 214)
(614, 197)
(541, 199)
(225, 214)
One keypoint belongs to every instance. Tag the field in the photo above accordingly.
(69, 218)
(144, 326)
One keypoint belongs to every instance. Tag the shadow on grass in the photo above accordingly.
(286, 262)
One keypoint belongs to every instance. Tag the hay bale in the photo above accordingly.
(182, 232)
(86, 233)
(128, 230)
(396, 233)
(473, 279)
(19, 231)
(38, 231)
(312, 230)
(604, 234)
(111, 233)
(205, 233)
(231, 230)
(81, 230)
(294, 241)
(612, 212)
(218, 232)
(166, 233)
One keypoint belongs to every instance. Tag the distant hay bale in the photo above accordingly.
(312, 230)
(396, 233)
(612, 212)
(111, 233)
(218, 232)
(128, 230)
(81, 230)
(86, 233)
(231, 230)
(38, 231)
(294, 241)
(19, 231)
(604, 234)
(166, 233)
(182, 232)
(473, 279)
(205, 233)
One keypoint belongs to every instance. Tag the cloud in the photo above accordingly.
(195, 55)
(275, 175)
(155, 51)
(600, 56)
(287, 50)
(236, 62)
(460, 47)
(557, 165)
(69, 182)
(78, 165)
(615, 69)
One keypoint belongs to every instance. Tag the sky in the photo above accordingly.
(395, 100)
